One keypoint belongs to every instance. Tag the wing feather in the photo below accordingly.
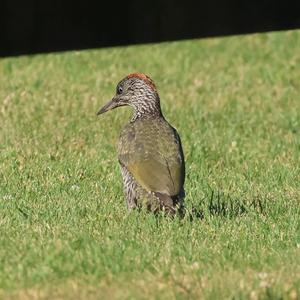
(153, 155)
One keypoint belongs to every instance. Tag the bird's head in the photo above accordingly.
(138, 91)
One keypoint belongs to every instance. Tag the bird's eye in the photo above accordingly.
(119, 90)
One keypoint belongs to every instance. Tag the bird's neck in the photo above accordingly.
(147, 108)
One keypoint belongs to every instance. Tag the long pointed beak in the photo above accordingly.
(108, 106)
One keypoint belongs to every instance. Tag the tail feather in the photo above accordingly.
(171, 204)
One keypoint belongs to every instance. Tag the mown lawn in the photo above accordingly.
(64, 229)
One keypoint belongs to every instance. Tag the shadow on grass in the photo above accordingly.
(220, 204)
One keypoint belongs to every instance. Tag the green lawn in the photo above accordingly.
(65, 232)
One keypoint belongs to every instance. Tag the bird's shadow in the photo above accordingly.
(223, 205)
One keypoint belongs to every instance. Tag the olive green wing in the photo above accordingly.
(156, 176)
(154, 160)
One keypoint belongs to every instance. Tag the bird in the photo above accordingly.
(149, 149)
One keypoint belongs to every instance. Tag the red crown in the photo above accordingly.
(144, 77)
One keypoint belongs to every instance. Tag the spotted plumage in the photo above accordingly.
(149, 149)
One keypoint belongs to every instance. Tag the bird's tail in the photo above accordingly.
(170, 204)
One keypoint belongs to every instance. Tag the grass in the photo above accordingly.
(64, 229)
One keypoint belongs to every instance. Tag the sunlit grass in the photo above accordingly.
(64, 229)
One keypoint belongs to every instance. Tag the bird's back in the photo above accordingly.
(150, 149)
